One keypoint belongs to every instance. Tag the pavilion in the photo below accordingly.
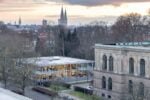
(47, 68)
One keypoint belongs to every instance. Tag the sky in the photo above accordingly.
(79, 11)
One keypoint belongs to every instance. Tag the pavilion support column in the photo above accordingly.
(87, 71)
(67, 74)
(70, 70)
(57, 70)
(76, 68)
(64, 70)
(50, 70)
(79, 71)
(76, 71)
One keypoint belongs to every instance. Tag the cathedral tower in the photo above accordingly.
(19, 21)
(62, 21)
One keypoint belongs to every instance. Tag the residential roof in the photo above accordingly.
(8, 95)
(55, 60)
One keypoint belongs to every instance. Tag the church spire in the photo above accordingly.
(63, 17)
(62, 13)
(19, 21)
(65, 14)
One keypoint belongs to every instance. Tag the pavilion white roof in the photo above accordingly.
(55, 60)
(8, 95)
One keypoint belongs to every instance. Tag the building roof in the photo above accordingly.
(8, 95)
(143, 43)
(55, 60)
(127, 48)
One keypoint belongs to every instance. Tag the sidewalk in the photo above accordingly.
(65, 93)
(1, 84)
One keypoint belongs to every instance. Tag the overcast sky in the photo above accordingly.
(79, 11)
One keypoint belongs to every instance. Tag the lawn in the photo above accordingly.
(84, 96)
(57, 88)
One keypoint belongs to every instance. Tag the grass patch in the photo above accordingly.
(84, 96)
(57, 88)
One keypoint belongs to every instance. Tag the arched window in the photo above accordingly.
(142, 67)
(141, 89)
(131, 66)
(104, 62)
(109, 83)
(111, 63)
(103, 82)
(130, 86)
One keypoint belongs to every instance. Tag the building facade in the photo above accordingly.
(121, 72)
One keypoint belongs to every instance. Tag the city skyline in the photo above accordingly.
(79, 11)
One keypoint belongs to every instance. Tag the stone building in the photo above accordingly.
(122, 72)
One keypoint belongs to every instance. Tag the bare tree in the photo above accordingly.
(23, 75)
(12, 47)
(5, 62)
(128, 28)
(23, 71)
(137, 91)
(8, 44)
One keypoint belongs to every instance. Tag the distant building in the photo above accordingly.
(1, 23)
(44, 23)
(41, 41)
(63, 20)
(121, 72)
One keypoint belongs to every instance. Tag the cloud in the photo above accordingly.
(15, 10)
(2, 1)
(96, 2)
(51, 16)
(19, 5)
(22, 1)
(76, 2)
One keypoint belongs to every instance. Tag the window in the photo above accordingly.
(103, 82)
(142, 67)
(141, 89)
(130, 86)
(109, 96)
(104, 66)
(110, 84)
(131, 66)
(103, 95)
(111, 63)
